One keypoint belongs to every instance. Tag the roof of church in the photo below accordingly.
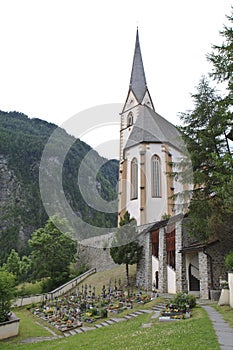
(143, 229)
(151, 127)
(138, 78)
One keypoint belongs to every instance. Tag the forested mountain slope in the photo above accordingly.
(22, 141)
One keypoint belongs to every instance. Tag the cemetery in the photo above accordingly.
(83, 306)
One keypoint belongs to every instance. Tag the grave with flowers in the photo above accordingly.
(179, 308)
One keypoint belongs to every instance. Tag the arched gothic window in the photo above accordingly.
(129, 119)
(156, 177)
(134, 179)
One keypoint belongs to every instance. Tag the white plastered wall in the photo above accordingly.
(155, 207)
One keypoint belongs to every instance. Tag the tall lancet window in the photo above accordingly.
(156, 177)
(134, 179)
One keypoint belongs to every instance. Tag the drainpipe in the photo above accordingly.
(211, 269)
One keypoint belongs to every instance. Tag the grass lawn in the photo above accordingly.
(103, 277)
(29, 326)
(194, 333)
(226, 312)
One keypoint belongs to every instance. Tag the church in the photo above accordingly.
(151, 155)
(150, 149)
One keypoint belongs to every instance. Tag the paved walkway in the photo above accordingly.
(223, 331)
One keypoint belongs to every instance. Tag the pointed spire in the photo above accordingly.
(138, 78)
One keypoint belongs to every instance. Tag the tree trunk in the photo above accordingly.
(127, 274)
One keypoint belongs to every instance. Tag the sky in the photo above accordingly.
(60, 57)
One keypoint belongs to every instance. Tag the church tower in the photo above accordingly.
(148, 146)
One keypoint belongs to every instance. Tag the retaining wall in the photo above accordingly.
(9, 328)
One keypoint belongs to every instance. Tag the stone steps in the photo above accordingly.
(159, 307)
(108, 322)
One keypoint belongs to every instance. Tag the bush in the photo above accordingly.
(47, 285)
(75, 272)
(104, 313)
(94, 311)
(229, 261)
(29, 289)
(31, 306)
(181, 300)
(7, 293)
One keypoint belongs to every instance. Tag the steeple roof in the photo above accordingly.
(138, 78)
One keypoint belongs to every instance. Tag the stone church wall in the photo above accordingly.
(217, 253)
(144, 267)
(181, 280)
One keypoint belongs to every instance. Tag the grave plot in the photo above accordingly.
(172, 312)
(179, 309)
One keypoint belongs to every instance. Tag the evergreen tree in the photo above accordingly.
(25, 269)
(205, 133)
(222, 60)
(13, 263)
(125, 249)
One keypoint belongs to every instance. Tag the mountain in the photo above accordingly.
(22, 141)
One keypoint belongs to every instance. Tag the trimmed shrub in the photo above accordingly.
(181, 300)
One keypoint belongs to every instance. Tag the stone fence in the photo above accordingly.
(56, 292)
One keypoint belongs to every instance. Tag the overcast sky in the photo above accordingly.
(59, 57)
